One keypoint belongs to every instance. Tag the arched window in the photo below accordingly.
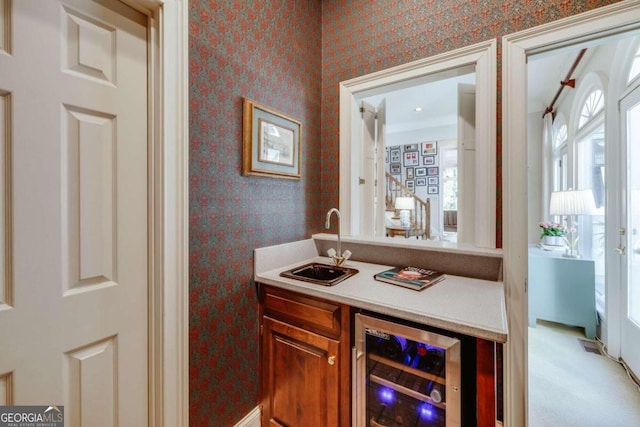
(634, 71)
(560, 137)
(591, 107)
(560, 165)
(589, 174)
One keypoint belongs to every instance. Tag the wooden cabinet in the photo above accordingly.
(488, 383)
(305, 363)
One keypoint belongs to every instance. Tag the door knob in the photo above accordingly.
(331, 360)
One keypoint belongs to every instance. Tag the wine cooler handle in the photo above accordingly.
(355, 401)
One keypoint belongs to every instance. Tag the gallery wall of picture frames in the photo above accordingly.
(415, 165)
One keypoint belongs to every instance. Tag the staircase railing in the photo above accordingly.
(421, 215)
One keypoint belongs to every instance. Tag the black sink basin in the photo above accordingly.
(321, 274)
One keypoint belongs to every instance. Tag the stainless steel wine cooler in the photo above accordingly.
(404, 376)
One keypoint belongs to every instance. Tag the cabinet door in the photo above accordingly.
(301, 373)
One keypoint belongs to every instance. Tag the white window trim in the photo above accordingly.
(591, 82)
(558, 124)
(592, 114)
(636, 54)
(482, 56)
(558, 152)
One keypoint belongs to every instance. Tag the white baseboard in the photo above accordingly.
(252, 419)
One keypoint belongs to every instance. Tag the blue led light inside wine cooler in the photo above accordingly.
(386, 395)
(426, 412)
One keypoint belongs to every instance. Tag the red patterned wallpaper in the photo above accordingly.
(290, 55)
(268, 51)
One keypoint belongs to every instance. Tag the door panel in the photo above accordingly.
(466, 220)
(372, 190)
(302, 380)
(630, 245)
(73, 129)
(368, 170)
(6, 280)
(380, 180)
(90, 177)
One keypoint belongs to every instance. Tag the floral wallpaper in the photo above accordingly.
(270, 52)
(290, 55)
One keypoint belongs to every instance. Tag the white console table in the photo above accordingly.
(562, 290)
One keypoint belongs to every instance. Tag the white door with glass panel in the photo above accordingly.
(629, 247)
(73, 207)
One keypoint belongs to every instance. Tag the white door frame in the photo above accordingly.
(168, 207)
(584, 27)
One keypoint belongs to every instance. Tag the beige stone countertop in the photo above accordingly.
(473, 307)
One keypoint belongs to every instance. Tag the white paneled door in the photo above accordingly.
(372, 180)
(367, 173)
(73, 207)
(629, 247)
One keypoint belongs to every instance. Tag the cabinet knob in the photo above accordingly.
(331, 360)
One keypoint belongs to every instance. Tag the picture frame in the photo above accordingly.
(432, 189)
(429, 160)
(433, 171)
(421, 182)
(271, 142)
(421, 171)
(386, 155)
(410, 184)
(433, 180)
(409, 172)
(411, 158)
(395, 155)
(411, 147)
(429, 148)
(394, 169)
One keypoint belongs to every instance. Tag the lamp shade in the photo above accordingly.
(404, 203)
(572, 202)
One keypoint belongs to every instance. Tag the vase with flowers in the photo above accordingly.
(552, 233)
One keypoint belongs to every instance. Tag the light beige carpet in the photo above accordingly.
(569, 386)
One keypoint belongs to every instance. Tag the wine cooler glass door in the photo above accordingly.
(405, 376)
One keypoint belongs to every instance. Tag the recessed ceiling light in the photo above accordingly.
(417, 109)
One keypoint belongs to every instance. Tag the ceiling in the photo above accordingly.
(438, 100)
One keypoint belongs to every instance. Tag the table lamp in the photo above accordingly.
(572, 203)
(405, 205)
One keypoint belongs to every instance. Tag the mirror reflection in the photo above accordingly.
(426, 131)
(418, 129)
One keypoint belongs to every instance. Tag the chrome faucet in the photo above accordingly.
(338, 257)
